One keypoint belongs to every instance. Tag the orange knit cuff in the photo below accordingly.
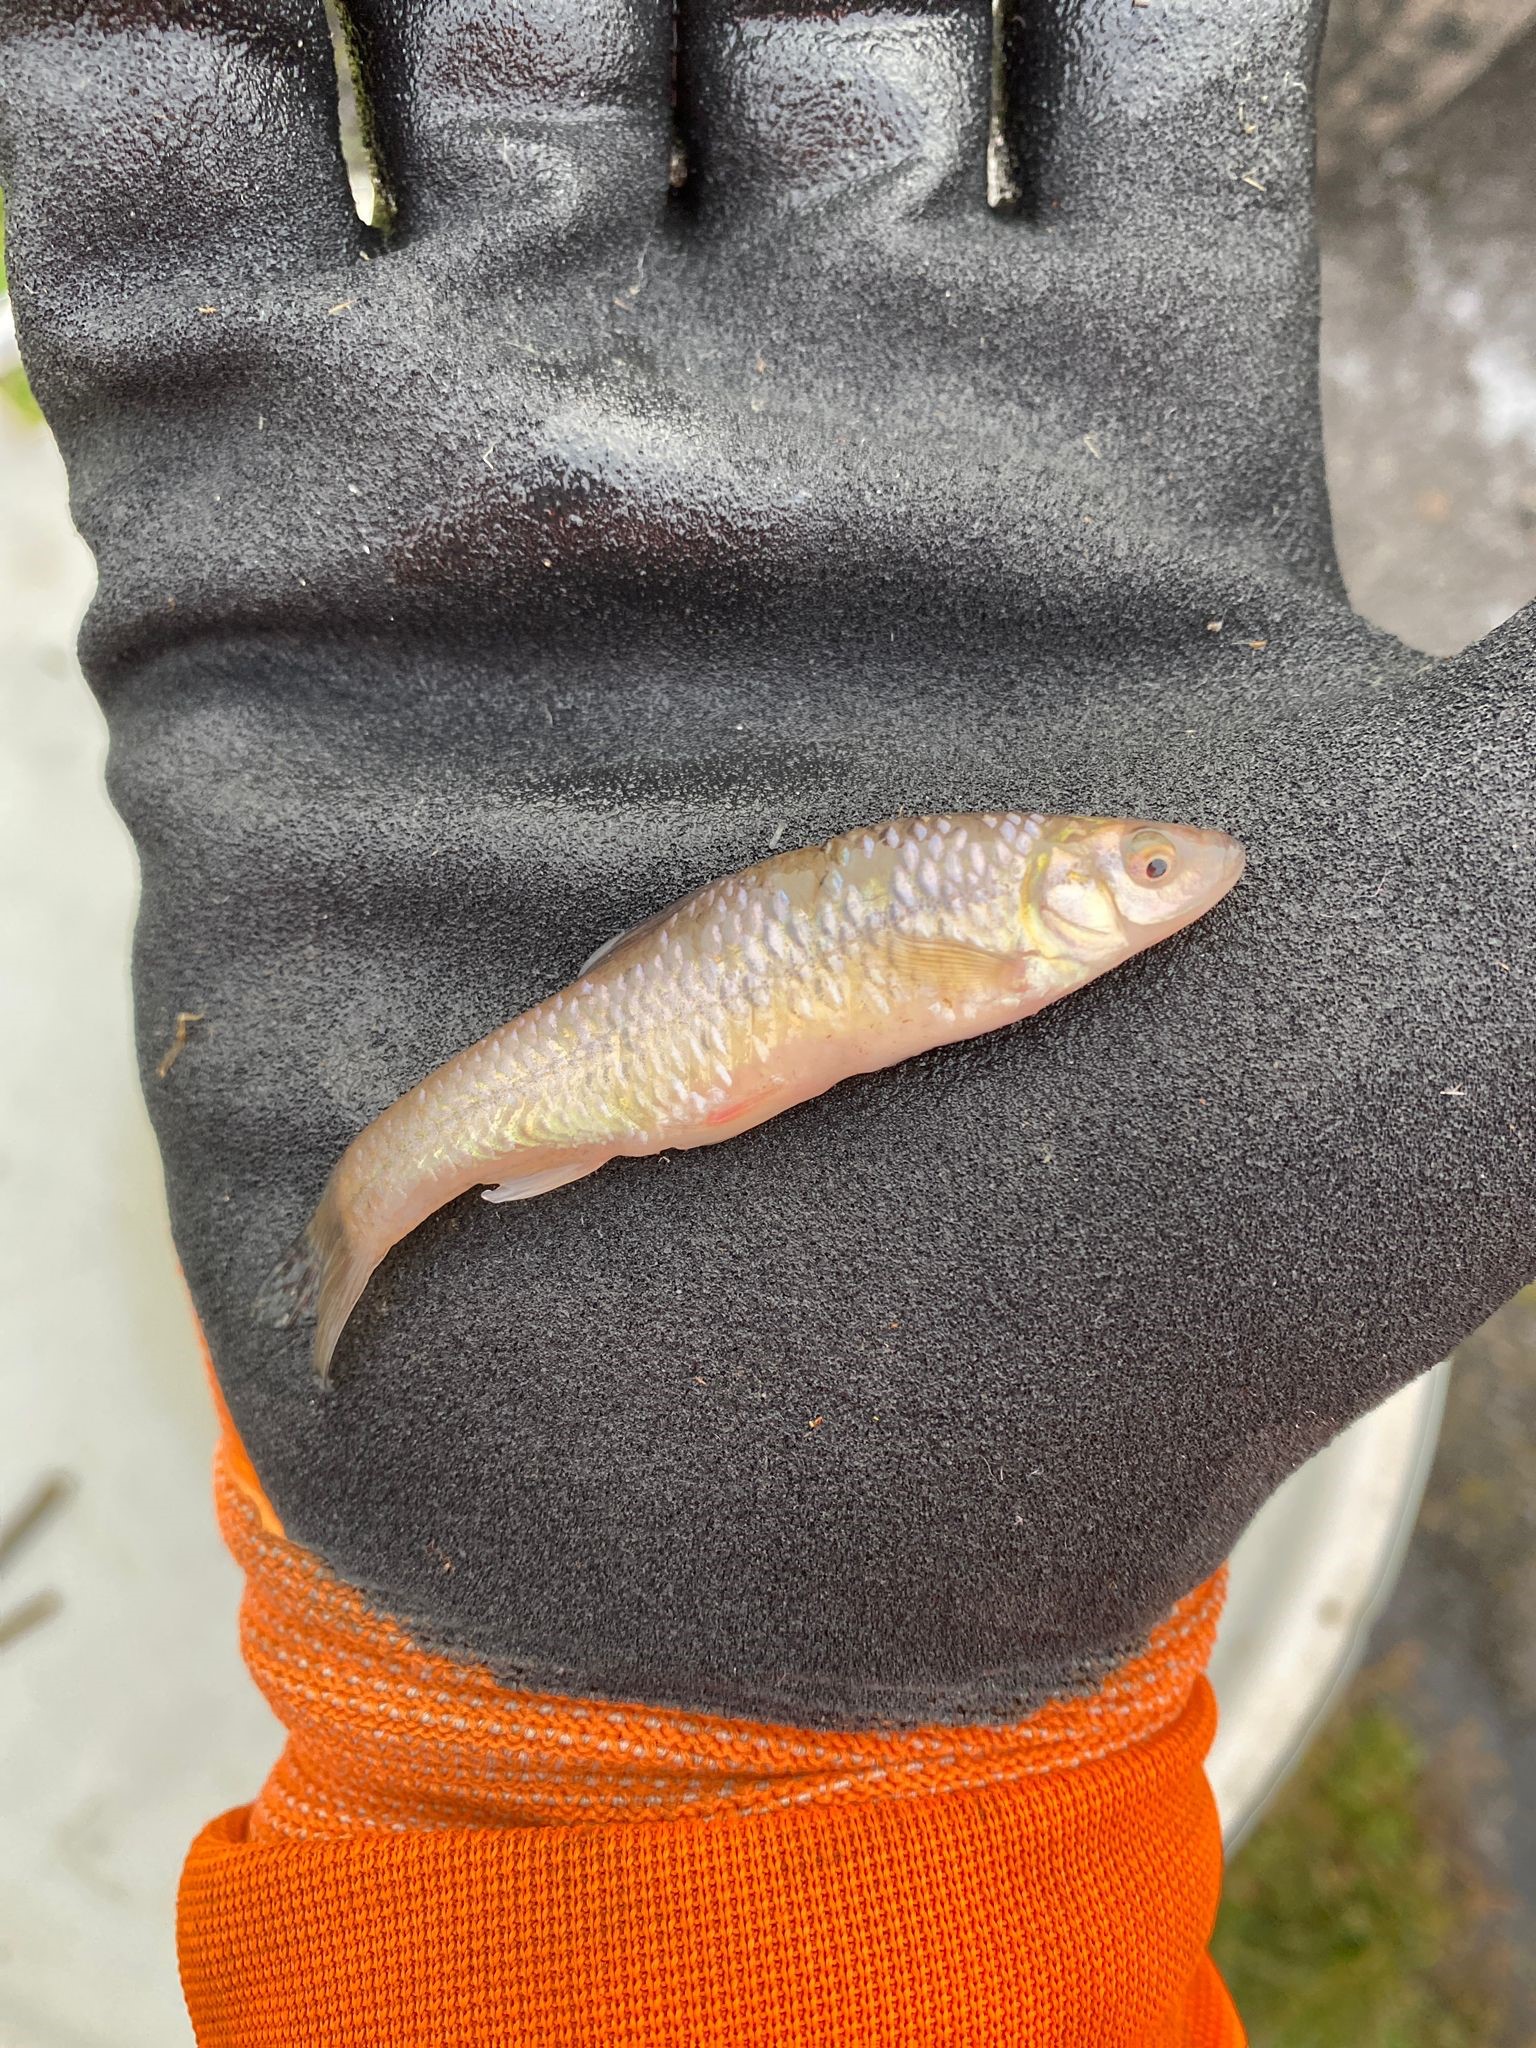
(438, 1859)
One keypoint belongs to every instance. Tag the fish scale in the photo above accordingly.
(755, 993)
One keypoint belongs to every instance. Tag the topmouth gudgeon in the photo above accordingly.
(753, 994)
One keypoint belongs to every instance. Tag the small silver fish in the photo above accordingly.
(749, 996)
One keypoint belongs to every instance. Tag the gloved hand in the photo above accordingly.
(471, 590)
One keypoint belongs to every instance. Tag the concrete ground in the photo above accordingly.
(1429, 365)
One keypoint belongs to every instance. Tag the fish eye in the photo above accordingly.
(1149, 859)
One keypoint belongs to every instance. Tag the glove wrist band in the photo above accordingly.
(437, 1857)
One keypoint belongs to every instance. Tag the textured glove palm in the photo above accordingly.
(469, 592)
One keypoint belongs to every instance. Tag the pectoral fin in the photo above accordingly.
(951, 968)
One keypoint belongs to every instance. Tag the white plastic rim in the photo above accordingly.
(1309, 1578)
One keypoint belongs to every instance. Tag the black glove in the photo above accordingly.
(470, 591)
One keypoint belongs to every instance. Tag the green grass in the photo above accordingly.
(16, 391)
(14, 388)
(1343, 1916)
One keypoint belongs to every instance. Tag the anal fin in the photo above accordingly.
(543, 1180)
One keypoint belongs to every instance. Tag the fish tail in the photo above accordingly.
(318, 1279)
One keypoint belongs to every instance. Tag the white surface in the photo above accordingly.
(127, 1720)
(1309, 1576)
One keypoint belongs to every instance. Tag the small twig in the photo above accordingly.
(44, 1501)
(178, 1045)
(18, 1529)
(29, 1615)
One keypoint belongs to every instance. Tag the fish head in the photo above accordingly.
(1108, 887)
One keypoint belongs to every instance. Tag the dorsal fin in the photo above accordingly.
(636, 931)
(738, 876)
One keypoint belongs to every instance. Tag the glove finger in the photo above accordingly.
(803, 107)
(1160, 152)
(543, 125)
(1506, 654)
(1108, 106)
(156, 144)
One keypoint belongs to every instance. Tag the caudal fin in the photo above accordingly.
(318, 1279)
